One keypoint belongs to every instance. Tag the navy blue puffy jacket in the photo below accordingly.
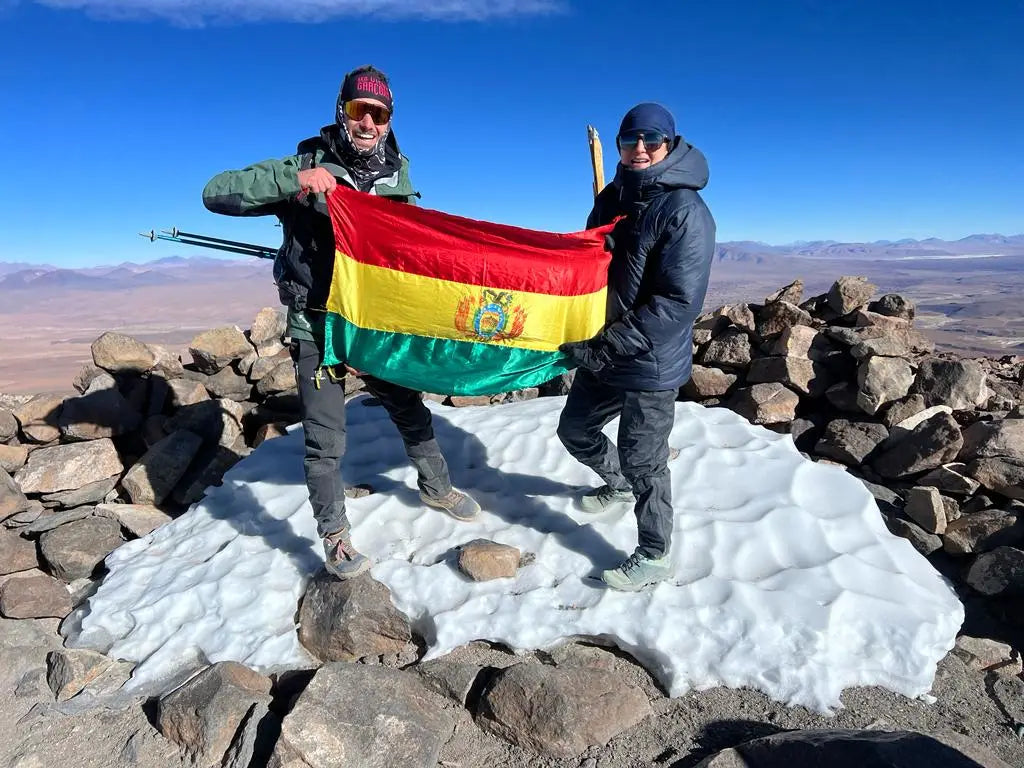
(661, 261)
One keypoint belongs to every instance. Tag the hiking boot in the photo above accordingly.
(456, 503)
(637, 572)
(606, 498)
(341, 558)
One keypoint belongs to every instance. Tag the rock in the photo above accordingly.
(30, 514)
(951, 507)
(207, 469)
(12, 457)
(1005, 476)
(903, 409)
(998, 572)
(70, 671)
(68, 467)
(468, 401)
(267, 328)
(385, 718)
(803, 341)
(984, 656)
(889, 502)
(805, 433)
(35, 596)
(16, 553)
(865, 319)
(87, 494)
(217, 348)
(186, 392)
(765, 403)
(849, 293)
(909, 424)
(347, 620)
(853, 749)
(983, 532)
(49, 522)
(102, 413)
(792, 293)
(730, 350)
(960, 384)
(739, 315)
(39, 417)
(931, 444)
(216, 421)
(557, 387)
(137, 519)
(118, 353)
(850, 442)
(484, 560)
(90, 373)
(244, 366)
(75, 550)
(881, 380)
(262, 367)
(924, 506)
(159, 470)
(8, 425)
(708, 382)
(920, 539)
(843, 396)
(168, 364)
(268, 432)
(775, 318)
(226, 383)
(893, 305)
(451, 679)
(12, 500)
(205, 715)
(560, 712)
(281, 378)
(798, 373)
(991, 439)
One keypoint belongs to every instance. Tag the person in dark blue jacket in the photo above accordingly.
(661, 259)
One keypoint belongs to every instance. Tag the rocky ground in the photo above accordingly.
(937, 439)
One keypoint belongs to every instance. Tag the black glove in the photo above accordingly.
(591, 355)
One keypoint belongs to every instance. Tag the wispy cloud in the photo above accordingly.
(200, 12)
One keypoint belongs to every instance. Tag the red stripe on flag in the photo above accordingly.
(375, 230)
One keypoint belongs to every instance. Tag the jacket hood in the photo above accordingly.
(330, 141)
(684, 168)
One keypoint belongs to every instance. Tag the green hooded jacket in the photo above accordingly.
(304, 264)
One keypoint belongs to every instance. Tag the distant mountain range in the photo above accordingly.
(973, 246)
(172, 270)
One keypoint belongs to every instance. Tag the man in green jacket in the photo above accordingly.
(359, 150)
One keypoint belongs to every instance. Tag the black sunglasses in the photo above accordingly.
(651, 139)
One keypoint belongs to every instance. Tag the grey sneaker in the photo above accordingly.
(342, 559)
(606, 498)
(637, 572)
(456, 503)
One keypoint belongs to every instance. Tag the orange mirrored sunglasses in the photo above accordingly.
(356, 110)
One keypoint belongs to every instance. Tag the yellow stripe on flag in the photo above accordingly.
(381, 299)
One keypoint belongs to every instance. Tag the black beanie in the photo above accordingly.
(366, 83)
(649, 116)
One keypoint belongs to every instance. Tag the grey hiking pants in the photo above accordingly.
(640, 463)
(323, 419)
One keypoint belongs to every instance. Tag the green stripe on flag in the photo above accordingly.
(412, 360)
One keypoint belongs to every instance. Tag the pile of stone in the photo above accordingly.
(938, 440)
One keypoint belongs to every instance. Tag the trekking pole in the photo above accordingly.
(596, 159)
(175, 235)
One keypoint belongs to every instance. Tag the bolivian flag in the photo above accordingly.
(450, 305)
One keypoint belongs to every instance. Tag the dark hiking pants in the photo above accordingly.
(323, 419)
(640, 463)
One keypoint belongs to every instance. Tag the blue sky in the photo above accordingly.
(821, 119)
